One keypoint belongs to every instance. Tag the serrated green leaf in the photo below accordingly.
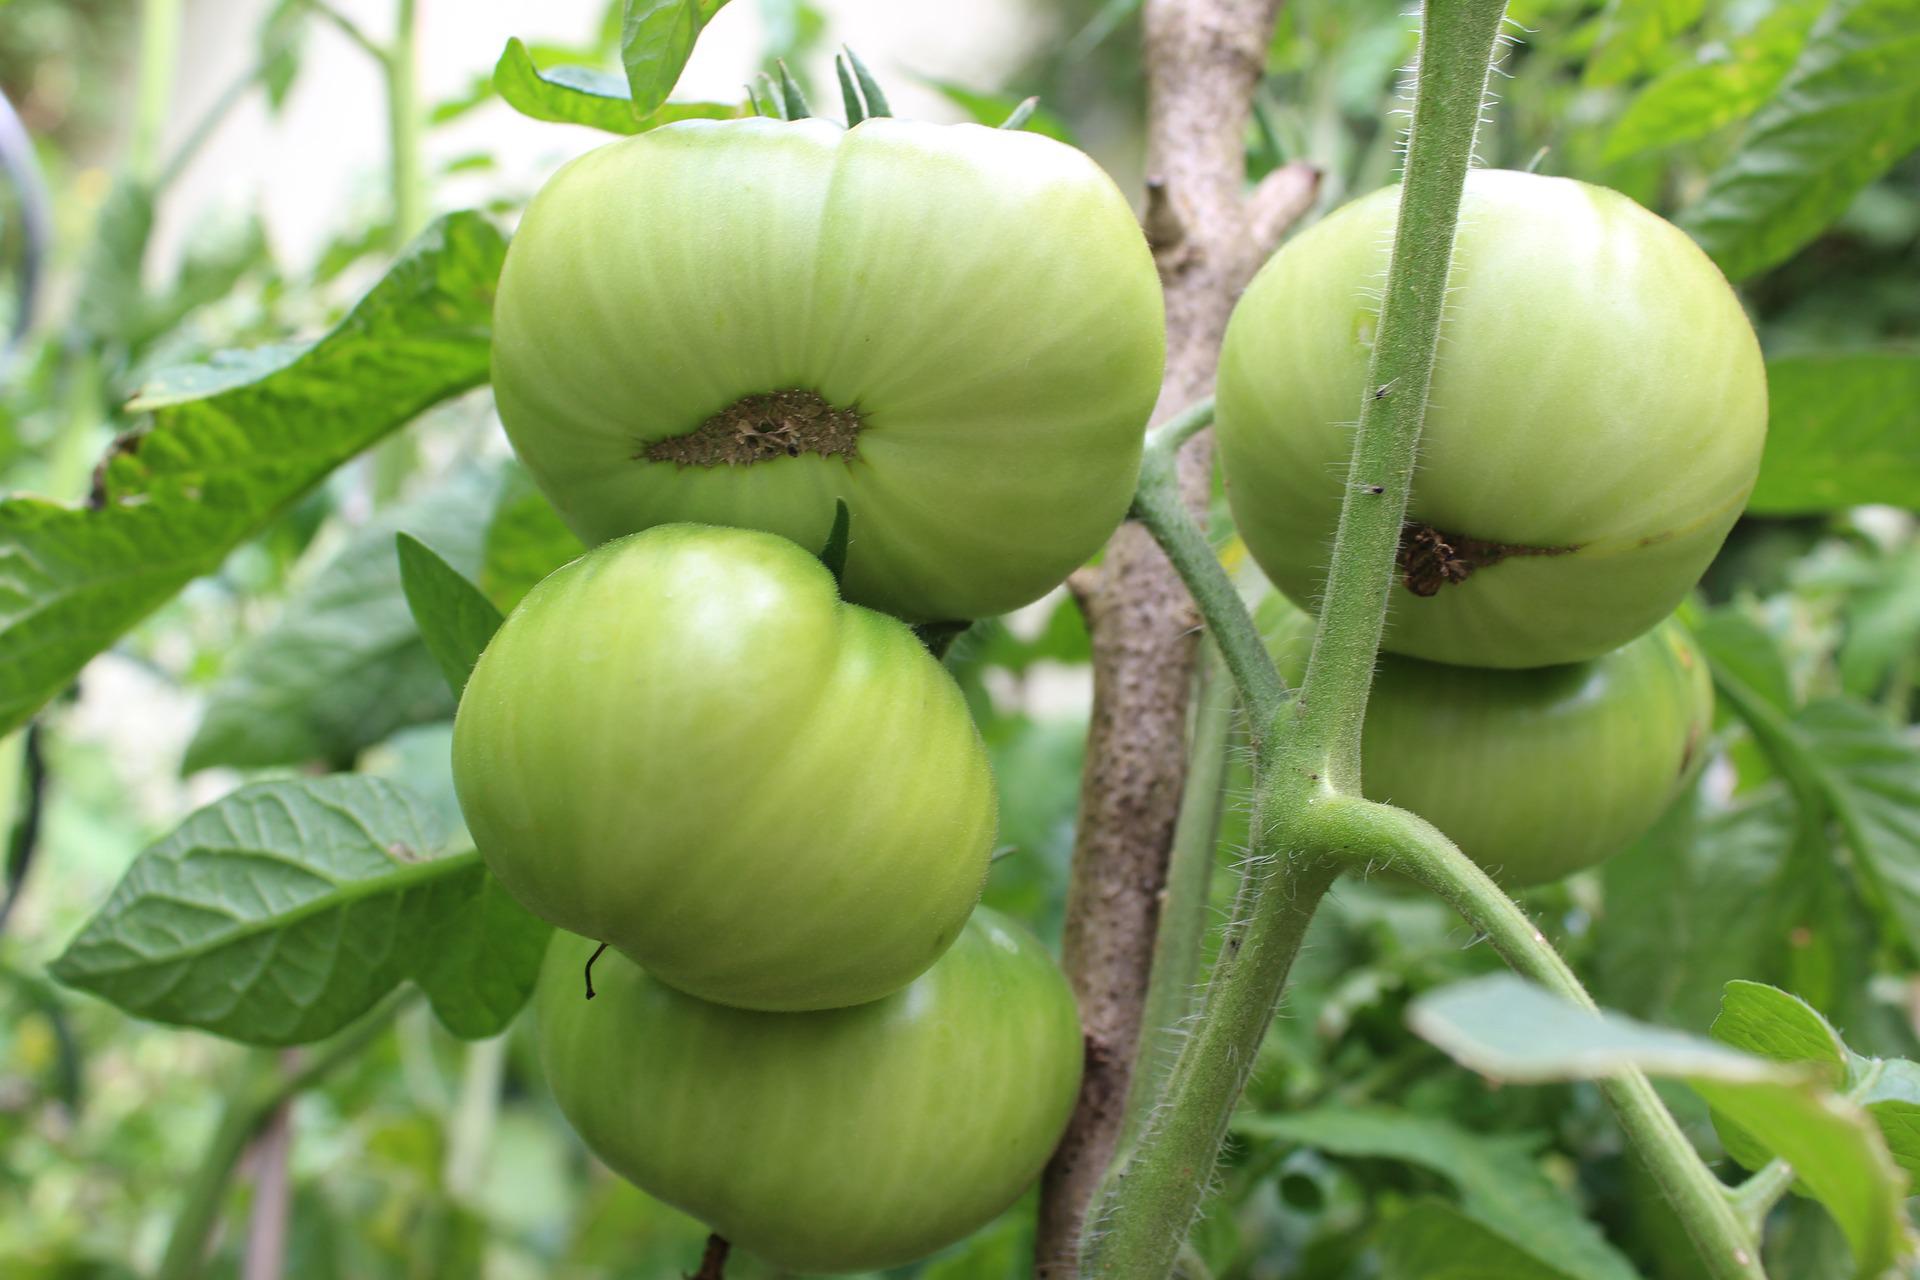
(656, 39)
(1634, 34)
(587, 96)
(215, 468)
(1848, 110)
(1770, 1023)
(1500, 1182)
(1726, 85)
(286, 910)
(1511, 1029)
(1841, 433)
(344, 666)
(454, 618)
(526, 541)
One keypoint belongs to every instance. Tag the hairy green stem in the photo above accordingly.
(1157, 504)
(1369, 834)
(1456, 57)
(1754, 1199)
(1173, 982)
(247, 1109)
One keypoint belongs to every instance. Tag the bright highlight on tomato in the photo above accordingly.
(846, 1140)
(1595, 427)
(685, 745)
(1535, 774)
(956, 330)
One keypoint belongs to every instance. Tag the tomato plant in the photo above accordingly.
(1538, 773)
(684, 744)
(1594, 429)
(845, 1140)
(950, 328)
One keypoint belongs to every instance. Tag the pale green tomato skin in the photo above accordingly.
(1597, 389)
(1537, 773)
(847, 1140)
(983, 297)
(684, 744)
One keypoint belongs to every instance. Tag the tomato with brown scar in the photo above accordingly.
(1595, 425)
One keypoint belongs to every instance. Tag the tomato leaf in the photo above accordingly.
(454, 618)
(587, 96)
(1434, 1241)
(231, 445)
(1510, 1029)
(1726, 84)
(525, 542)
(656, 39)
(286, 910)
(1770, 1023)
(1634, 33)
(1848, 110)
(343, 667)
(1840, 433)
(1501, 1184)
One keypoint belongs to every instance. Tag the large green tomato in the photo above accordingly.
(956, 330)
(1535, 774)
(1598, 410)
(685, 745)
(846, 1140)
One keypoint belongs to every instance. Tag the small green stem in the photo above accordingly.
(348, 28)
(159, 56)
(1456, 57)
(1754, 1199)
(405, 126)
(246, 1110)
(1369, 834)
(471, 1133)
(1173, 985)
(1157, 504)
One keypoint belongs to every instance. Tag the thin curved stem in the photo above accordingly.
(1365, 833)
(1754, 1199)
(1157, 505)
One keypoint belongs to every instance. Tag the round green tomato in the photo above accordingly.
(956, 330)
(685, 745)
(844, 1140)
(1598, 410)
(1535, 774)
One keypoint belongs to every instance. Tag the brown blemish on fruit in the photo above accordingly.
(763, 428)
(1432, 558)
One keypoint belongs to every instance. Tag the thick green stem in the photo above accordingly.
(159, 55)
(1157, 504)
(1173, 987)
(1369, 834)
(247, 1109)
(1456, 57)
(404, 129)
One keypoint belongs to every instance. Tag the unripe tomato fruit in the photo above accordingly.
(956, 330)
(685, 745)
(1598, 410)
(845, 1140)
(1535, 774)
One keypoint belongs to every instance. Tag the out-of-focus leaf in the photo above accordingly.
(1842, 431)
(994, 108)
(1890, 1091)
(1726, 84)
(1500, 1182)
(1510, 1029)
(1434, 1241)
(656, 39)
(1883, 623)
(1634, 34)
(1846, 112)
(526, 541)
(215, 467)
(344, 667)
(454, 618)
(1741, 651)
(286, 910)
(587, 96)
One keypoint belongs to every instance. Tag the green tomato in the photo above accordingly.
(685, 745)
(1598, 410)
(956, 330)
(845, 1140)
(1535, 774)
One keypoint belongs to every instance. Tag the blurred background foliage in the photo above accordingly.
(425, 1157)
